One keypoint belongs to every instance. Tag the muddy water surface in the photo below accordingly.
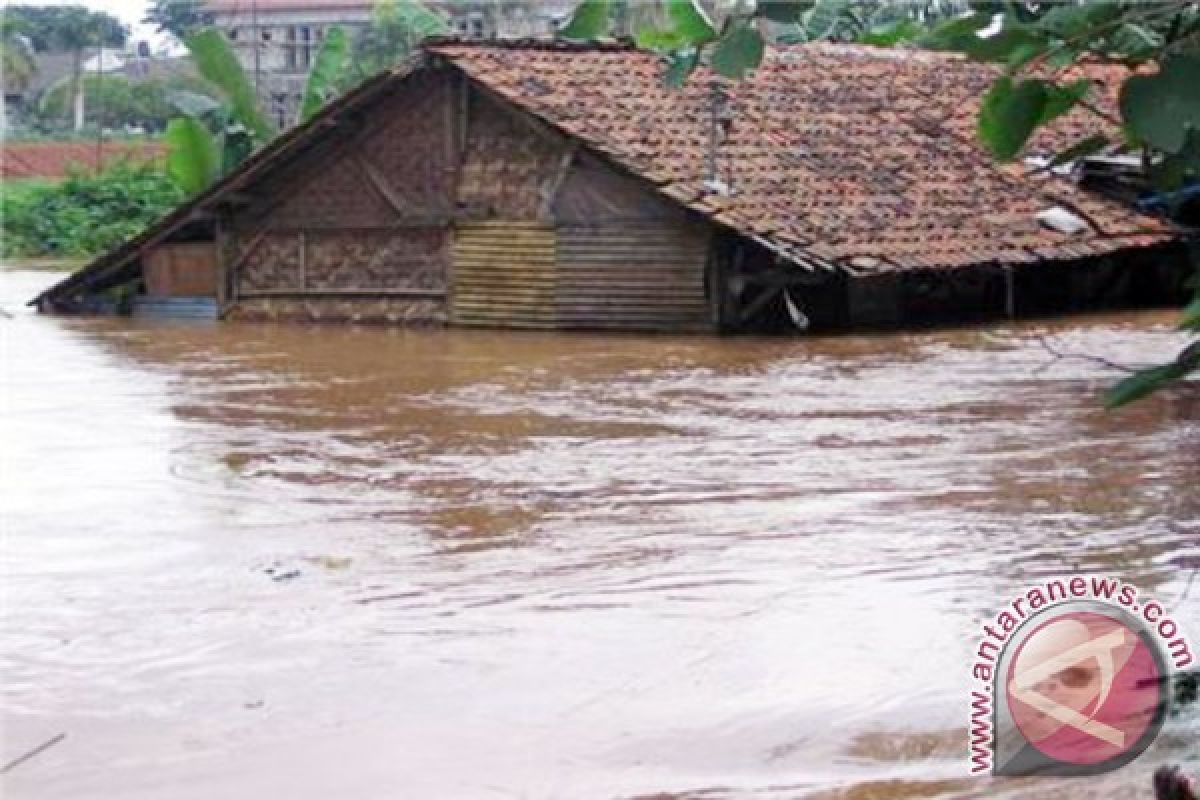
(310, 562)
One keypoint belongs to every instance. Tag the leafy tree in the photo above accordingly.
(865, 22)
(180, 18)
(56, 28)
(114, 101)
(397, 28)
(326, 73)
(213, 136)
(17, 66)
(1036, 45)
(67, 29)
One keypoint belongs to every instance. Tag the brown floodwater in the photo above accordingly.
(249, 561)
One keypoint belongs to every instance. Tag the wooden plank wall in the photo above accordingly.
(186, 269)
(633, 277)
(504, 275)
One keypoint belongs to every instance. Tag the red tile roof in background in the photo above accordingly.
(249, 7)
(24, 160)
(850, 155)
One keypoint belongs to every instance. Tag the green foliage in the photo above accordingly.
(397, 28)
(17, 63)
(590, 20)
(1009, 114)
(1159, 108)
(84, 214)
(1036, 42)
(63, 28)
(179, 18)
(738, 51)
(1147, 381)
(1163, 109)
(733, 43)
(215, 60)
(326, 73)
(786, 12)
(114, 101)
(212, 138)
(194, 158)
(690, 21)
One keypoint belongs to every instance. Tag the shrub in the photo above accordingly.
(86, 213)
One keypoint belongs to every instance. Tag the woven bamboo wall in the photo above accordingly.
(504, 275)
(360, 228)
(509, 164)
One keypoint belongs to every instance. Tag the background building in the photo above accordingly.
(276, 40)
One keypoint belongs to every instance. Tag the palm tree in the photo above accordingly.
(17, 67)
(77, 29)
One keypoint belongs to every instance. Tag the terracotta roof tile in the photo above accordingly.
(846, 151)
(24, 160)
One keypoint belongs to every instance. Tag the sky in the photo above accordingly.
(129, 12)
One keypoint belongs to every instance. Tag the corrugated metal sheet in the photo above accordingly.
(644, 277)
(504, 275)
(175, 307)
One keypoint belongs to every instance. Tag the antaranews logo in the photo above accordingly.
(1074, 678)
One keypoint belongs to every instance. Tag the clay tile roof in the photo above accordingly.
(24, 160)
(835, 154)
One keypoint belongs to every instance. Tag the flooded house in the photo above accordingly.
(545, 185)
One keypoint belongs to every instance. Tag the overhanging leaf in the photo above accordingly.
(786, 12)
(590, 20)
(738, 51)
(902, 30)
(1011, 44)
(1082, 149)
(1163, 109)
(192, 158)
(1133, 42)
(957, 33)
(1061, 99)
(1147, 381)
(1191, 315)
(690, 21)
(1009, 115)
(326, 71)
(663, 40)
(822, 20)
(1078, 21)
(680, 67)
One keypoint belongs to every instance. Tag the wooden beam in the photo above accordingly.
(303, 258)
(1010, 294)
(749, 312)
(551, 189)
(380, 183)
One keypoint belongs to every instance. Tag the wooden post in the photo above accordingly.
(221, 244)
(1010, 297)
(303, 260)
(715, 278)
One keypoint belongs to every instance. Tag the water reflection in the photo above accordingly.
(311, 561)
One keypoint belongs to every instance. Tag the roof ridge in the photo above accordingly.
(620, 44)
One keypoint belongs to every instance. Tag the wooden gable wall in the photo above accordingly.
(443, 203)
(360, 228)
